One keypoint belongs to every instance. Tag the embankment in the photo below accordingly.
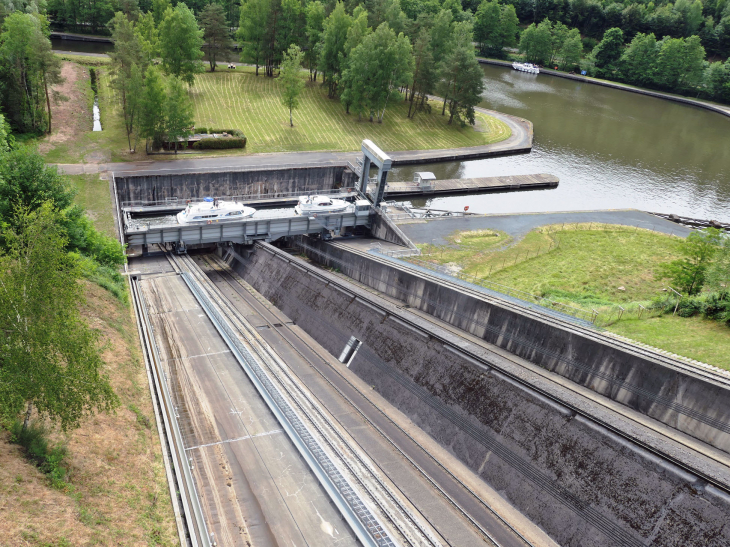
(584, 485)
(642, 381)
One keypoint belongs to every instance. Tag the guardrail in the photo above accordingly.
(193, 513)
(244, 197)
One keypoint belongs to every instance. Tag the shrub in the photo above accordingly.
(201, 130)
(46, 457)
(220, 144)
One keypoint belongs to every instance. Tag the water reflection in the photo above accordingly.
(611, 149)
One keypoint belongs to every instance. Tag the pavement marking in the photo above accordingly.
(266, 433)
(194, 356)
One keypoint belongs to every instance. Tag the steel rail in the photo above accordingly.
(234, 284)
(369, 532)
(198, 532)
(308, 397)
(343, 285)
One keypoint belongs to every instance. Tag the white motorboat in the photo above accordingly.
(526, 67)
(214, 210)
(320, 204)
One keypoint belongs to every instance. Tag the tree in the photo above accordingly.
(128, 56)
(608, 50)
(333, 46)
(291, 82)
(488, 27)
(687, 274)
(536, 42)
(152, 108)
(716, 80)
(442, 34)
(638, 61)
(180, 43)
(51, 359)
(571, 51)
(28, 67)
(718, 273)
(148, 37)
(381, 63)
(178, 112)
(252, 31)
(159, 7)
(215, 33)
(680, 62)
(27, 182)
(315, 26)
(424, 70)
(462, 83)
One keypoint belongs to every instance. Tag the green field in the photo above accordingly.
(589, 267)
(240, 100)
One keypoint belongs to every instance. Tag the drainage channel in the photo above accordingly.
(364, 524)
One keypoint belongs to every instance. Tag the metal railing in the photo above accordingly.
(349, 191)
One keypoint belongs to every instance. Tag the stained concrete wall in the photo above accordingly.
(693, 405)
(384, 228)
(584, 486)
(231, 183)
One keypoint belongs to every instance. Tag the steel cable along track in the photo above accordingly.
(358, 515)
(240, 290)
(341, 285)
(271, 361)
(193, 520)
(524, 342)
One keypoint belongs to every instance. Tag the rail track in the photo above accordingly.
(358, 467)
(221, 271)
(561, 495)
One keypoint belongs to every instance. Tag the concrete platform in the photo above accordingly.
(462, 186)
(518, 225)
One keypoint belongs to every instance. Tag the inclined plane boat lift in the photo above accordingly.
(319, 213)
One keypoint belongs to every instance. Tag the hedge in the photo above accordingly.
(209, 131)
(219, 144)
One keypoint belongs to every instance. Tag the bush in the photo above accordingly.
(209, 130)
(46, 457)
(220, 144)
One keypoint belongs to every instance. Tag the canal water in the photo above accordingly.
(610, 148)
(79, 46)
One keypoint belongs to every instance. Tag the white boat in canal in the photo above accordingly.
(212, 210)
(320, 204)
(526, 67)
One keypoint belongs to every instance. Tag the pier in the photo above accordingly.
(459, 186)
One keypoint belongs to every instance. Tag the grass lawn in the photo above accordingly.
(240, 100)
(583, 266)
(701, 339)
(93, 195)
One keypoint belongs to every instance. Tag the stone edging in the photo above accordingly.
(686, 100)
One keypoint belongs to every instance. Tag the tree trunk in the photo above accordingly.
(452, 109)
(443, 110)
(48, 103)
(291, 121)
(27, 416)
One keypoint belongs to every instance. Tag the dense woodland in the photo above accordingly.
(366, 53)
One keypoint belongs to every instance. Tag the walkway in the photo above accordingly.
(435, 230)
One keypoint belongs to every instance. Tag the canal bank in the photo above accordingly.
(720, 109)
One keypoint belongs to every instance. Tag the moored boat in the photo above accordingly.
(212, 210)
(320, 204)
(526, 67)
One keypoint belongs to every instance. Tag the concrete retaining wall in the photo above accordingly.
(583, 485)
(232, 183)
(693, 405)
